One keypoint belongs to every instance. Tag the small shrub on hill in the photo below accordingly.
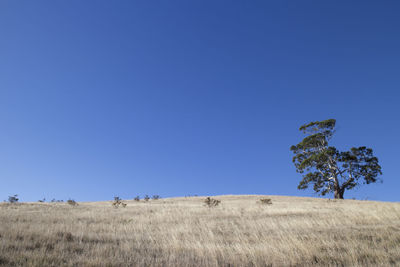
(118, 202)
(156, 197)
(13, 199)
(266, 201)
(72, 202)
(137, 198)
(211, 202)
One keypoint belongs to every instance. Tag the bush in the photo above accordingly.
(266, 201)
(72, 202)
(146, 198)
(211, 202)
(137, 198)
(42, 200)
(156, 197)
(118, 202)
(13, 199)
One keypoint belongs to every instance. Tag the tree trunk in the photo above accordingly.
(339, 190)
(339, 193)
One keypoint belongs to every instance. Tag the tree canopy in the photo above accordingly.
(326, 168)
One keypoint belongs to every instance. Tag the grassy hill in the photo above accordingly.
(293, 231)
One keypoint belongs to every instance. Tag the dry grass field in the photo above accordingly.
(292, 231)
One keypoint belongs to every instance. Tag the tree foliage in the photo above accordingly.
(327, 169)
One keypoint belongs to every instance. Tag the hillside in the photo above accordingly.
(293, 231)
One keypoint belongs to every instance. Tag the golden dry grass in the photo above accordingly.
(183, 232)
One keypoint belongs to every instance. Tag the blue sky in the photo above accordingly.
(124, 98)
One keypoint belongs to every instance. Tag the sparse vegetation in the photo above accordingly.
(211, 202)
(266, 201)
(293, 231)
(72, 202)
(65, 236)
(118, 202)
(155, 197)
(137, 198)
(13, 199)
(146, 198)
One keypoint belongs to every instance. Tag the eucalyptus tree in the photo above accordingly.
(326, 168)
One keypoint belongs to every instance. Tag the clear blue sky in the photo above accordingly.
(124, 98)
